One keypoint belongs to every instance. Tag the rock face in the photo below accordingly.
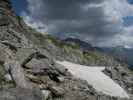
(28, 70)
(17, 74)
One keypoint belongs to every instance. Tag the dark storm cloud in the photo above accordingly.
(70, 16)
(67, 9)
(82, 18)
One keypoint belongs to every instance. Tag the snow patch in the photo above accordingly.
(95, 77)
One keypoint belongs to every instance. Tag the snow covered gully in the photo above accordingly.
(96, 78)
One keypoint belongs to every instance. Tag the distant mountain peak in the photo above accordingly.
(83, 45)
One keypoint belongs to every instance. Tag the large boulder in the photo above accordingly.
(57, 91)
(38, 64)
(61, 69)
(20, 94)
(17, 74)
(23, 55)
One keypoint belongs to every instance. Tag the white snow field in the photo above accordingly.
(96, 78)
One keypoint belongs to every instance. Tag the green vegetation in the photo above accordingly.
(59, 43)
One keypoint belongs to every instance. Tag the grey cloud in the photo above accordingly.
(76, 17)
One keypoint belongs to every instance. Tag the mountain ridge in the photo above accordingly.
(28, 70)
(121, 53)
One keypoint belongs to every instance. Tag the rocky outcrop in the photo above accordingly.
(20, 94)
(17, 74)
(28, 70)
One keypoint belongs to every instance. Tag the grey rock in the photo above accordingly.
(57, 91)
(46, 53)
(10, 45)
(4, 21)
(2, 53)
(46, 94)
(8, 77)
(20, 94)
(23, 55)
(2, 70)
(61, 69)
(17, 74)
(38, 64)
(61, 79)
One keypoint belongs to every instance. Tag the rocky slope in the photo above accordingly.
(120, 53)
(28, 70)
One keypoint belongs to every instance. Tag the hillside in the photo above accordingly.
(63, 50)
(28, 68)
(120, 53)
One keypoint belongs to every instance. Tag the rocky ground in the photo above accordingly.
(28, 70)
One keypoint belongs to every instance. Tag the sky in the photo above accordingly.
(99, 22)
